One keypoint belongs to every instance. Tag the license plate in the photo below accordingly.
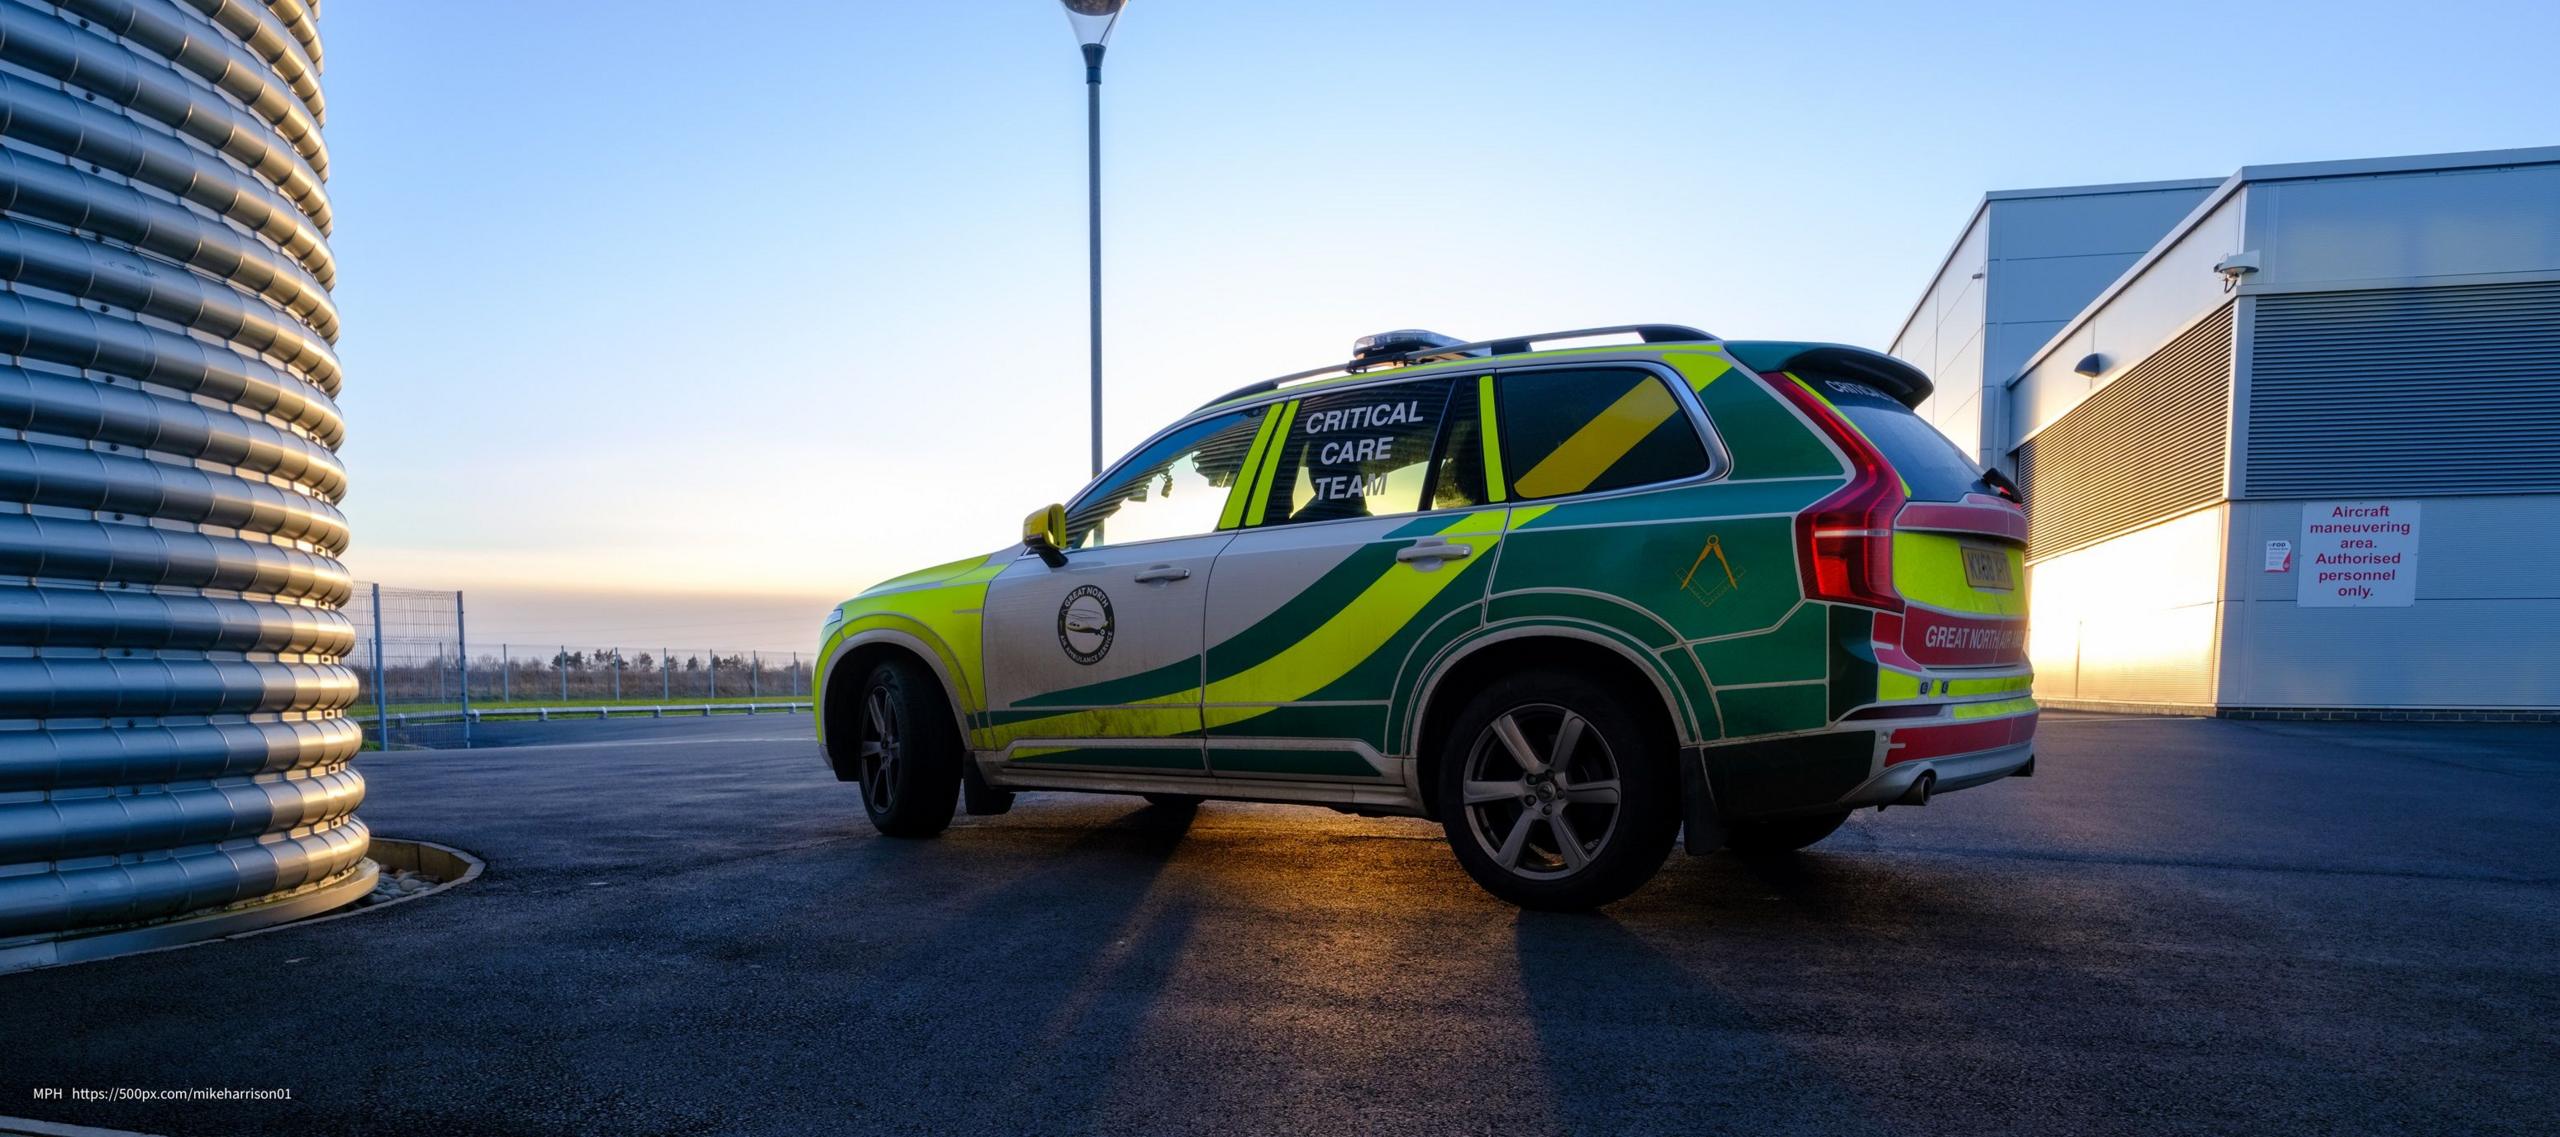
(1986, 567)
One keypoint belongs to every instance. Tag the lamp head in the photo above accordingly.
(1092, 19)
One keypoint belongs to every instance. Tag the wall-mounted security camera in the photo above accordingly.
(2091, 365)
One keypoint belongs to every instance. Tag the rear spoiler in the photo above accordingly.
(1905, 383)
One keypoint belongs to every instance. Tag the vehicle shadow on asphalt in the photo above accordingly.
(1064, 963)
(1787, 974)
(1633, 1041)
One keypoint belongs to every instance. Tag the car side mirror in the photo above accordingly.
(1045, 533)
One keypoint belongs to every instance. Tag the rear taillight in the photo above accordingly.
(1844, 543)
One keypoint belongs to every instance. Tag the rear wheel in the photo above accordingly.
(907, 754)
(1780, 835)
(1555, 794)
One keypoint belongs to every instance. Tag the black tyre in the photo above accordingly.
(907, 752)
(1780, 835)
(1556, 794)
(1172, 801)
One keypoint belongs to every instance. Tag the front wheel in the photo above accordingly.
(907, 754)
(1555, 794)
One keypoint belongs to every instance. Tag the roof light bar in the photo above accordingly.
(1409, 345)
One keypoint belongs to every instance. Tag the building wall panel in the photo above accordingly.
(2146, 311)
(2132, 619)
(2437, 226)
(2481, 634)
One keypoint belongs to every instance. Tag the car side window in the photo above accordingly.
(1458, 480)
(1363, 453)
(1175, 487)
(1586, 430)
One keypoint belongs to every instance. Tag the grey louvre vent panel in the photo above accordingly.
(173, 737)
(2144, 448)
(2405, 391)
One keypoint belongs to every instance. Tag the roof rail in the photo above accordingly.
(1508, 345)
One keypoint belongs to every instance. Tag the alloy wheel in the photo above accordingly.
(1541, 791)
(878, 756)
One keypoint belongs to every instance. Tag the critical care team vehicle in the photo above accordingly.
(1570, 600)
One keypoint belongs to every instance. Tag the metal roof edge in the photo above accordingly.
(2124, 280)
(2278, 172)
(1979, 209)
(2402, 164)
(2101, 190)
(1982, 207)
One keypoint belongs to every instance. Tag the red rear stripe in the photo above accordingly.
(1912, 743)
(1943, 639)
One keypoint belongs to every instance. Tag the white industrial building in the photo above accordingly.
(2290, 439)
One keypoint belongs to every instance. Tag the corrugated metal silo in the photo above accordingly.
(171, 735)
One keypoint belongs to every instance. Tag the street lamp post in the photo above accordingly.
(1092, 21)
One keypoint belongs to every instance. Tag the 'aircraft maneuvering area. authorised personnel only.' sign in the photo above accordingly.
(2359, 554)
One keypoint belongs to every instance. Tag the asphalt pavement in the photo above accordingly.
(2178, 926)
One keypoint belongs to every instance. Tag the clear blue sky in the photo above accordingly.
(680, 321)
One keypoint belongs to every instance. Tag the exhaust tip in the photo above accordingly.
(1918, 794)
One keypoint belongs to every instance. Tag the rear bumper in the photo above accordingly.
(1873, 761)
(1901, 782)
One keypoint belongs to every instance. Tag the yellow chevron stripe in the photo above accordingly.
(1600, 443)
(1328, 653)
(1895, 686)
(1701, 371)
(1994, 710)
(1238, 494)
(1352, 635)
(1270, 466)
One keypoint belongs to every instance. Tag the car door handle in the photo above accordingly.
(1433, 550)
(1158, 574)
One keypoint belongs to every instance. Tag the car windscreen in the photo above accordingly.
(1928, 461)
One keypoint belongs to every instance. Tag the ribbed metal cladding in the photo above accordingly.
(2405, 391)
(2142, 449)
(171, 731)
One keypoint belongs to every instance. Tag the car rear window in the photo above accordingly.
(1928, 461)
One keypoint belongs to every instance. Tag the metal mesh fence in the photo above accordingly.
(408, 665)
(570, 676)
(421, 684)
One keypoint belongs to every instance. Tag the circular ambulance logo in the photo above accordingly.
(1084, 625)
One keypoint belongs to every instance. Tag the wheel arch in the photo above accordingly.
(1502, 650)
(853, 657)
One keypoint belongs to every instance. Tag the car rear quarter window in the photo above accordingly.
(1928, 461)
(1587, 430)
(1360, 453)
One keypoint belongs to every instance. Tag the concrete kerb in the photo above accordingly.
(446, 865)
